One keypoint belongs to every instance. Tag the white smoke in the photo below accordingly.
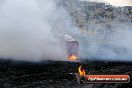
(119, 47)
(114, 2)
(29, 29)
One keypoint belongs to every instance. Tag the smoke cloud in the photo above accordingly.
(117, 48)
(33, 30)
(29, 30)
(114, 2)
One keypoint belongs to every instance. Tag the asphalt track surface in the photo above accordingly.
(58, 74)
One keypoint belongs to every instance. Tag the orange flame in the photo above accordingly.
(72, 57)
(81, 71)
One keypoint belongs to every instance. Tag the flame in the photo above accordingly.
(81, 71)
(72, 57)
